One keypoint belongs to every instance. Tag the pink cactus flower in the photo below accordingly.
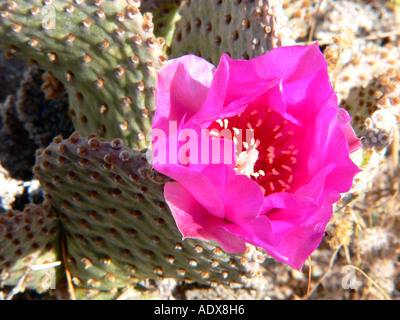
(271, 178)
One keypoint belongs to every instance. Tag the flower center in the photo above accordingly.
(263, 149)
(245, 162)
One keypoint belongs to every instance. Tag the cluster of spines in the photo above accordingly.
(165, 15)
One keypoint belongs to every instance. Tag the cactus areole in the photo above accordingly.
(259, 150)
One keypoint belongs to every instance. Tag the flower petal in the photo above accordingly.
(194, 221)
(238, 186)
(230, 92)
(290, 63)
(181, 89)
(298, 240)
(206, 181)
(331, 146)
(344, 122)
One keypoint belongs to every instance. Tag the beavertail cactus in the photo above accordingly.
(29, 248)
(119, 229)
(105, 224)
(242, 29)
(104, 52)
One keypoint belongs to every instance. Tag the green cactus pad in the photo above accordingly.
(29, 250)
(242, 29)
(104, 52)
(119, 230)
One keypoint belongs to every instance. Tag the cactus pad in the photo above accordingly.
(104, 52)
(242, 29)
(29, 242)
(119, 229)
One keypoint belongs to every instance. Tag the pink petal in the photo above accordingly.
(299, 240)
(201, 188)
(230, 92)
(331, 146)
(182, 87)
(256, 231)
(194, 221)
(286, 200)
(241, 187)
(205, 181)
(243, 72)
(344, 122)
(243, 200)
(290, 63)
